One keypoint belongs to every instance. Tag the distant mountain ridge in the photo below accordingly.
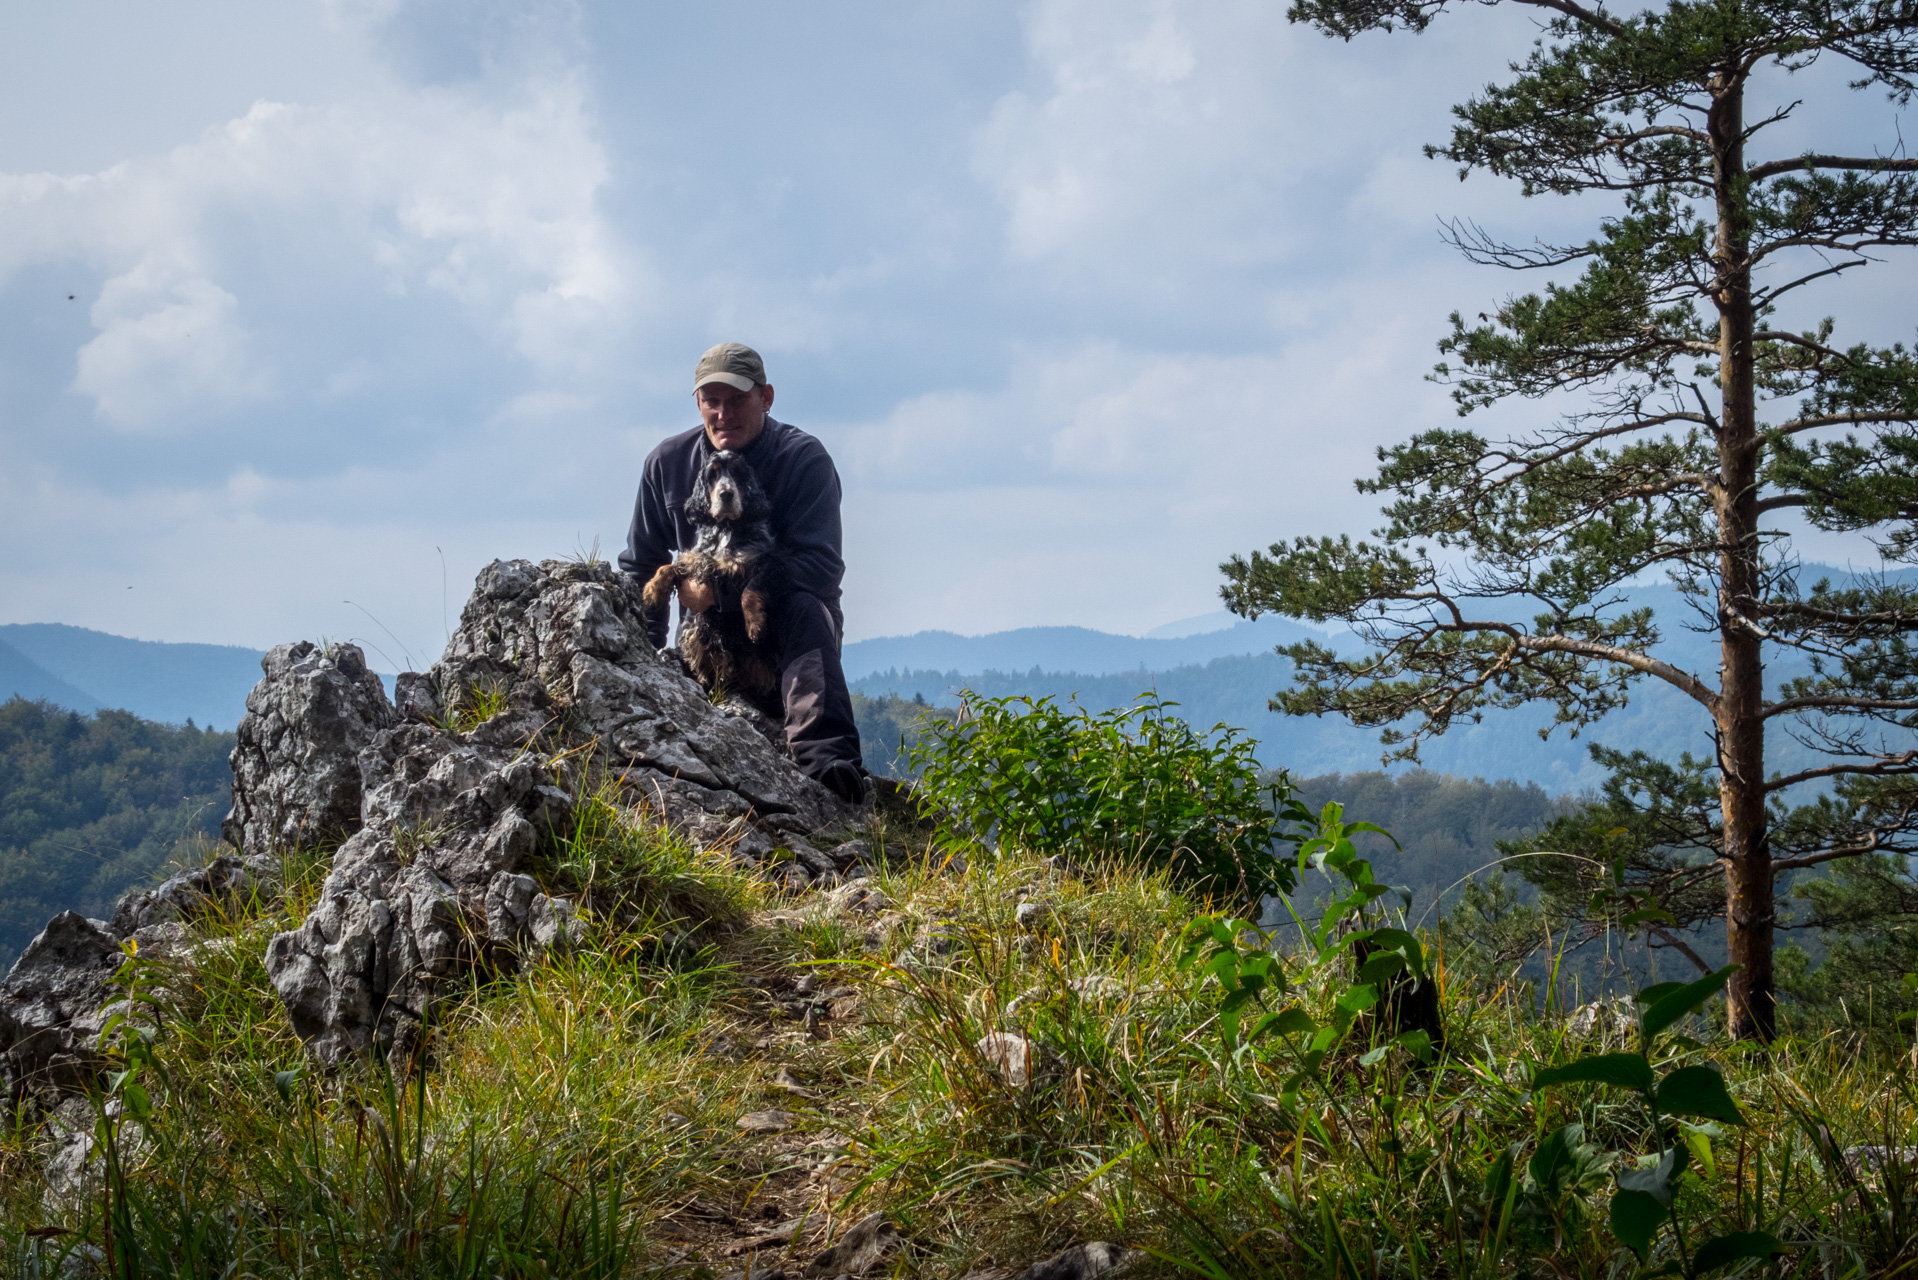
(86, 670)
(1076, 649)
(21, 675)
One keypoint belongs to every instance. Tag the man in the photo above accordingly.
(733, 396)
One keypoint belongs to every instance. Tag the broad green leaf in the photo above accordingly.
(1657, 1181)
(1701, 1148)
(1287, 1022)
(1734, 1246)
(135, 1096)
(1698, 1091)
(1658, 990)
(1351, 1003)
(1382, 966)
(1372, 1057)
(1404, 942)
(1416, 1043)
(1555, 1159)
(283, 1082)
(1636, 1218)
(1673, 1005)
(1623, 1070)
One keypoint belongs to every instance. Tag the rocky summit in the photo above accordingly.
(433, 804)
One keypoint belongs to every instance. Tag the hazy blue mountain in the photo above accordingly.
(1070, 648)
(1217, 620)
(1235, 688)
(22, 676)
(168, 683)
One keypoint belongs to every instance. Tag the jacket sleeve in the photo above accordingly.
(649, 544)
(811, 531)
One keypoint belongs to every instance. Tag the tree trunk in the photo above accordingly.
(1740, 715)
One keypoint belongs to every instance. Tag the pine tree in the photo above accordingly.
(1699, 423)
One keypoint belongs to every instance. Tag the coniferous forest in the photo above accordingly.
(92, 805)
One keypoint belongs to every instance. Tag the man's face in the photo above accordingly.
(733, 418)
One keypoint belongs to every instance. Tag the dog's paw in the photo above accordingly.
(753, 605)
(659, 587)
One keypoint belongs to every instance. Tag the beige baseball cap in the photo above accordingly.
(733, 363)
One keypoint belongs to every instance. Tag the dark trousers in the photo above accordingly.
(819, 725)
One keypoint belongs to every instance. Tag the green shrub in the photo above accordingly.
(1136, 783)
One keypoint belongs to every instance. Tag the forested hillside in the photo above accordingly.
(1447, 828)
(90, 805)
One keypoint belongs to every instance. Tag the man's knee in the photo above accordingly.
(803, 623)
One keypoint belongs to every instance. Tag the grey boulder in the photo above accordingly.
(51, 1007)
(296, 775)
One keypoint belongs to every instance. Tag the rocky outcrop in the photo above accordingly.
(437, 797)
(226, 882)
(55, 999)
(549, 673)
(296, 775)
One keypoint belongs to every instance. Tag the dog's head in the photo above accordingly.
(727, 492)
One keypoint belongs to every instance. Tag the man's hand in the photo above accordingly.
(695, 597)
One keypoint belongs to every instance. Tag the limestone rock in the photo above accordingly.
(296, 773)
(865, 1245)
(519, 915)
(1614, 1018)
(1031, 915)
(1009, 1054)
(50, 1007)
(225, 880)
(1082, 1262)
(473, 772)
(772, 1120)
(1874, 1158)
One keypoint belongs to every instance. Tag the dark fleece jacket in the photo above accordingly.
(798, 476)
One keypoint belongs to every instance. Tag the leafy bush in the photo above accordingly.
(1137, 783)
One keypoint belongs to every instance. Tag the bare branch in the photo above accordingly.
(1580, 13)
(1772, 168)
(1677, 944)
(1852, 419)
(1892, 766)
(1677, 677)
(1771, 295)
(1830, 702)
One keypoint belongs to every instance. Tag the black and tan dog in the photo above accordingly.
(728, 647)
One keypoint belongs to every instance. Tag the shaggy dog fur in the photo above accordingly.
(728, 648)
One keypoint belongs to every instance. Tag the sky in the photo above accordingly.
(309, 310)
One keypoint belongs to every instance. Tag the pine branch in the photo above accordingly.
(1808, 163)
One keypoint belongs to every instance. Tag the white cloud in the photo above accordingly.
(1103, 485)
(171, 346)
(492, 205)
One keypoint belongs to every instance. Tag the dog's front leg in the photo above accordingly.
(753, 605)
(661, 586)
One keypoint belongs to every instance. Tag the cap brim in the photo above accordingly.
(737, 381)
